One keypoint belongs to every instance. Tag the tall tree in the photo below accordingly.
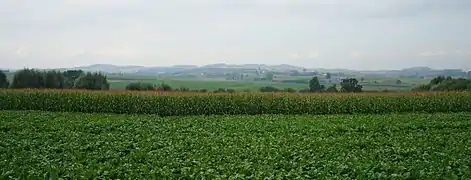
(71, 76)
(3, 80)
(350, 85)
(92, 81)
(315, 85)
(54, 80)
(28, 78)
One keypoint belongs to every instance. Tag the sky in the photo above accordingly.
(351, 34)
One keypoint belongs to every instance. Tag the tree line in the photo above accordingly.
(71, 79)
(78, 79)
(346, 85)
(442, 83)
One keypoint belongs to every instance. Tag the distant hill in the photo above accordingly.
(222, 68)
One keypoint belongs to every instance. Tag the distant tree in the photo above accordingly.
(422, 87)
(54, 80)
(442, 83)
(140, 86)
(164, 87)
(183, 89)
(315, 86)
(350, 85)
(230, 90)
(92, 81)
(269, 76)
(437, 80)
(71, 76)
(362, 79)
(28, 78)
(328, 76)
(3, 80)
(220, 90)
(398, 82)
(332, 88)
(203, 90)
(269, 89)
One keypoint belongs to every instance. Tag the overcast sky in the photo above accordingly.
(353, 34)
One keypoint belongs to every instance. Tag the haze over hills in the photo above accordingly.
(221, 67)
(228, 68)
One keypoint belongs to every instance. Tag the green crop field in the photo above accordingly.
(37, 144)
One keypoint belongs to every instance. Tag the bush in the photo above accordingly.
(164, 87)
(140, 86)
(269, 89)
(92, 81)
(332, 88)
(350, 85)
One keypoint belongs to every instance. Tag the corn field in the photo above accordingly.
(178, 104)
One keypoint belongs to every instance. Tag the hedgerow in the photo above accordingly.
(171, 104)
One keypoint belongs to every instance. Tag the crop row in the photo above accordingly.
(35, 144)
(239, 103)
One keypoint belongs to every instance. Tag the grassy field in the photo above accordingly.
(383, 83)
(208, 84)
(35, 144)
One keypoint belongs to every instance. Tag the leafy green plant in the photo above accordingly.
(38, 145)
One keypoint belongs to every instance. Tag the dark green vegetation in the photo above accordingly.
(75, 145)
(77, 79)
(449, 83)
(179, 104)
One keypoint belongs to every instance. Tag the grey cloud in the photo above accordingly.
(158, 32)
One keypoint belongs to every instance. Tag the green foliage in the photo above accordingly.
(3, 80)
(54, 80)
(92, 81)
(183, 89)
(103, 146)
(269, 76)
(140, 86)
(269, 89)
(442, 83)
(171, 104)
(71, 76)
(350, 85)
(164, 87)
(315, 86)
(437, 80)
(28, 78)
(332, 88)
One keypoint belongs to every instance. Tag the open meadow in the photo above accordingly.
(116, 134)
